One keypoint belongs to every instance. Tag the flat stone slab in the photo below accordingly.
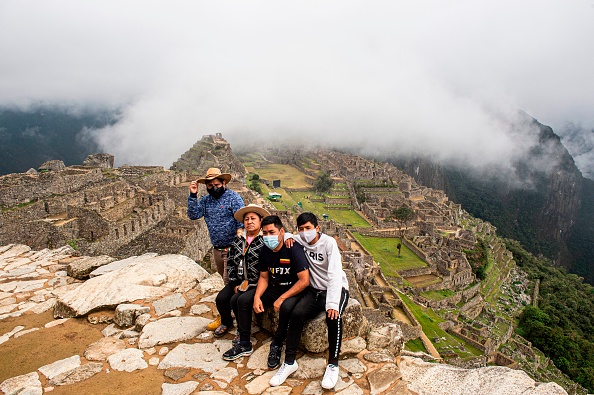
(147, 279)
(169, 303)
(179, 389)
(310, 367)
(26, 384)
(204, 356)
(103, 348)
(52, 370)
(170, 330)
(127, 360)
(117, 265)
(383, 378)
(78, 374)
(440, 379)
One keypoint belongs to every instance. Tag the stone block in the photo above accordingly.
(387, 337)
(81, 268)
(126, 313)
(314, 337)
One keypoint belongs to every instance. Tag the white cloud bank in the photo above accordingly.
(425, 76)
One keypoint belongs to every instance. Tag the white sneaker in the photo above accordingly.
(282, 374)
(330, 377)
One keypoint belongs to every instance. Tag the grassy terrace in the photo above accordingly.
(491, 285)
(290, 176)
(385, 252)
(293, 178)
(429, 320)
(437, 295)
(415, 345)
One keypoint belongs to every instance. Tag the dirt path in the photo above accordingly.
(429, 346)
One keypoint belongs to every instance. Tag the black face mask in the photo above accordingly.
(216, 192)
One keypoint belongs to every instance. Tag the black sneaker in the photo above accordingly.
(237, 351)
(274, 356)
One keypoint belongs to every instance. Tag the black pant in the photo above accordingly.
(310, 305)
(245, 306)
(226, 301)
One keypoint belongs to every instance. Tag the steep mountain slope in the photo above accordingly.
(29, 138)
(545, 203)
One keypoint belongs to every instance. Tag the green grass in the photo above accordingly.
(429, 320)
(384, 252)
(415, 345)
(438, 295)
(491, 285)
(289, 176)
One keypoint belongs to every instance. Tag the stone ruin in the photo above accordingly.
(210, 151)
(98, 209)
(114, 202)
(157, 309)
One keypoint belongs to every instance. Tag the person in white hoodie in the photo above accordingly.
(328, 291)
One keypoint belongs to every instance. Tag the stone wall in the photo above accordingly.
(19, 188)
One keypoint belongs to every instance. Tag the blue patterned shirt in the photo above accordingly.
(218, 214)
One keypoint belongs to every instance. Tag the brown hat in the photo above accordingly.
(213, 173)
(251, 208)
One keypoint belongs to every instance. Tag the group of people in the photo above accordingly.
(263, 265)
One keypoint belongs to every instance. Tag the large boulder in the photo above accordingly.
(148, 279)
(104, 161)
(387, 337)
(441, 379)
(314, 337)
(52, 165)
(81, 268)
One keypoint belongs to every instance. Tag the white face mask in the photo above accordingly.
(308, 235)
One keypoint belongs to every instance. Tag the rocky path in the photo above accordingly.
(137, 326)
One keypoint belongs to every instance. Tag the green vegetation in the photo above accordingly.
(255, 184)
(384, 250)
(415, 345)
(40, 133)
(18, 206)
(478, 258)
(437, 295)
(323, 183)
(402, 215)
(290, 176)
(561, 325)
(429, 320)
(73, 243)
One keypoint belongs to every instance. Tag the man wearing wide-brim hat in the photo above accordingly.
(218, 208)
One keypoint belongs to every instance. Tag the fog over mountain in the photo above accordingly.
(442, 78)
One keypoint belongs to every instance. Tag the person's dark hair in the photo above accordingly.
(304, 218)
(272, 219)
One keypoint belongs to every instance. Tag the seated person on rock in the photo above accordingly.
(242, 266)
(327, 291)
(283, 275)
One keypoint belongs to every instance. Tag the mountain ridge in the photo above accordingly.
(549, 218)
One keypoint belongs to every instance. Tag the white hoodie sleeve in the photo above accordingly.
(334, 290)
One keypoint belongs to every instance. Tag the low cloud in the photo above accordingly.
(445, 80)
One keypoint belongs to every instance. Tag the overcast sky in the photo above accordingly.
(439, 77)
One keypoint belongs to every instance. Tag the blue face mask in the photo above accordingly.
(271, 242)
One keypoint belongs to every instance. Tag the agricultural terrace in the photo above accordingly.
(429, 320)
(292, 177)
(385, 252)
